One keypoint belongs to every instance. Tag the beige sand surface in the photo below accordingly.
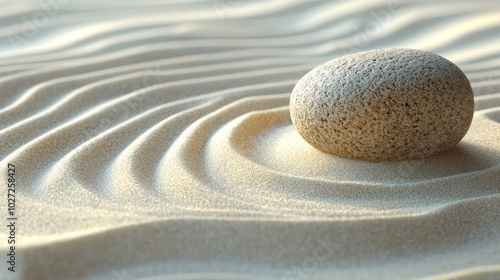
(152, 140)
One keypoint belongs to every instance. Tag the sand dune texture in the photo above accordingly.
(153, 139)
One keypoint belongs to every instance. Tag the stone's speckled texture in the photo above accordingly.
(388, 104)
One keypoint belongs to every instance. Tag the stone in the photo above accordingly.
(383, 105)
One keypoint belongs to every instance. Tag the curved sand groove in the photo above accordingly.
(101, 91)
(40, 95)
(151, 143)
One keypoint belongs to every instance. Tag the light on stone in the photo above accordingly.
(388, 104)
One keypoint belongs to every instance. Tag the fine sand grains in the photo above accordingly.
(153, 140)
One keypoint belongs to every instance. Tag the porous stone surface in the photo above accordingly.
(387, 104)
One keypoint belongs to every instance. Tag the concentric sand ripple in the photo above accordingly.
(154, 139)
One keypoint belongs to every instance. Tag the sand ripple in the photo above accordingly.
(154, 143)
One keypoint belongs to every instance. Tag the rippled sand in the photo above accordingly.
(153, 139)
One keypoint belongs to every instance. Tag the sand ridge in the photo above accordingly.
(158, 145)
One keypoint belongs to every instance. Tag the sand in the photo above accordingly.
(153, 140)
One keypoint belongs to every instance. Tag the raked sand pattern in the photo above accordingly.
(153, 139)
